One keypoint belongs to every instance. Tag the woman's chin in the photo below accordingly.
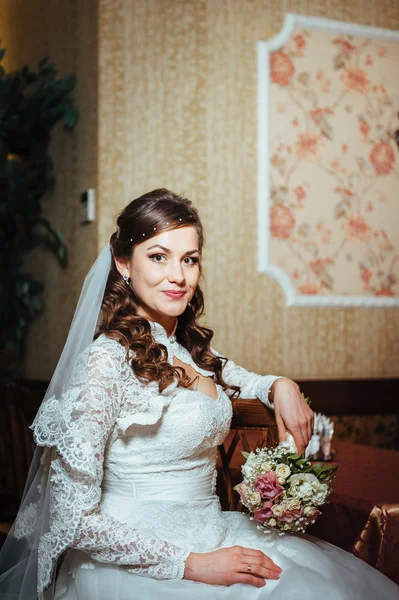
(176, 311)
(172, 310)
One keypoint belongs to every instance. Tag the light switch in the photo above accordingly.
(87, 207)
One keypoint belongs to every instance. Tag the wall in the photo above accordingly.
(175, 85)
(66, 31)
(177, 108)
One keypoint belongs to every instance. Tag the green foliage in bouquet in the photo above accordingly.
(323, 472)
(300, 464)
(31, 104)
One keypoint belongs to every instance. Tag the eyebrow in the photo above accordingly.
(168, 251)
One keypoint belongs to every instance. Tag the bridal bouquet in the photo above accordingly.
(282, 490)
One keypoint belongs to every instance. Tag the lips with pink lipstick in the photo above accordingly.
(174, 294)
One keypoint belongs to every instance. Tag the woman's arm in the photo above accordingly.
(110, 541)
(252, 385)
(279, 393)
(80, 431)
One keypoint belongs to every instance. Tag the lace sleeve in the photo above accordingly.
(77, 429)
(252, 385)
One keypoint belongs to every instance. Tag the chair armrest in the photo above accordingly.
(251, 413)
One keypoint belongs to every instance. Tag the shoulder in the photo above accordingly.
(103, 358)
(108, 346)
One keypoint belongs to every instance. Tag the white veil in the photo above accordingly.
(21, 553)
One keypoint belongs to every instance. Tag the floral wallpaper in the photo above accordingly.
(334, 174)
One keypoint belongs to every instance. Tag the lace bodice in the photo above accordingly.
(109, 428)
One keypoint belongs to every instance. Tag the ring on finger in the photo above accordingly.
(249, 568)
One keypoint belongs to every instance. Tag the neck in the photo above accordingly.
(173, 329)
(168, 323)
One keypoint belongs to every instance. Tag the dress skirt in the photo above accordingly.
(311, 570)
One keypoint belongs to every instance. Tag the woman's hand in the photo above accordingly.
(292, 413)
(230, 565)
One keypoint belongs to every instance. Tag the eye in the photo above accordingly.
(157, 257)
(194, 260)
(188, 260)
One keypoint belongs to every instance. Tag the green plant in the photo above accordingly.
(31, 104)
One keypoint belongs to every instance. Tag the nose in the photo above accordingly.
(176, 273)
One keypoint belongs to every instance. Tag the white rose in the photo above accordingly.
(249, 464)
(303, 491)
(283, 471)
(293, 504)
(266, 466)
(278, 510)
(254, 498)
(308, 511)
(288, 444)
(251, 458)
(302, 486)
(320, 493)
(246, 471)
(272, 522)
(281, 480)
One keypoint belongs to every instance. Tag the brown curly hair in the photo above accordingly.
(153, 213)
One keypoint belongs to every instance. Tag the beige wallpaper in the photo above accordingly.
(173, 88)
(66, 31)
(177, 90)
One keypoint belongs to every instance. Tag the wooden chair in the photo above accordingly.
(17, 410)
(253, 425)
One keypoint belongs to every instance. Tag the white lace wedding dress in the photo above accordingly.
(133, 492)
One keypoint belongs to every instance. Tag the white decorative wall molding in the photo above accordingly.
(353, 192)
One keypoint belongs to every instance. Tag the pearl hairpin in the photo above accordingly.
(167, 223)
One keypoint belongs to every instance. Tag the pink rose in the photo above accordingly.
(300, 41)
(308, 145)
(382, 158)
(299, 192)
(268, 486)
(264, 513)
(281, 68)
(356, 228)
(355, 79)
(385, 292)
(291, 515)
(313, 517)
(309, 288)
(282, 221)
(241, 488)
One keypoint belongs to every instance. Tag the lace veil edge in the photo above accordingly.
(41, 531)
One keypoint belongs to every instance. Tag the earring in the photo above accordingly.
(125, 277)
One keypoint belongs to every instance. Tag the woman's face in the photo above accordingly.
(164, 273)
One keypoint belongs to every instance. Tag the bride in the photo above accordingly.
(120, 500)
